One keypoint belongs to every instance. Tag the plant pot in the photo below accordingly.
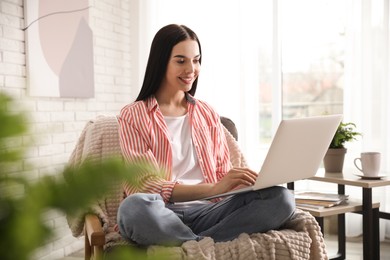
(334, 160)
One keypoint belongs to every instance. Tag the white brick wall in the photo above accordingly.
(55, 123)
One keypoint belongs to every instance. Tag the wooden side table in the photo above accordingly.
(371, 214)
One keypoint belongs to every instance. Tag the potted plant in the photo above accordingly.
(334, 158)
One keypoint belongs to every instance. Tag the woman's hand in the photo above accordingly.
(235, 178)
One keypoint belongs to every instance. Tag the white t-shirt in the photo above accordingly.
(185, 165)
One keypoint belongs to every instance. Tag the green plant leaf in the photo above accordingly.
(344, 133)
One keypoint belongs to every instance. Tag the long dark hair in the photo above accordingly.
(160, 51)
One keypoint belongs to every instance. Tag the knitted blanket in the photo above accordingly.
(300, 238)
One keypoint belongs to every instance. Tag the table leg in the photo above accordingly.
(340, 255)
(320, 221)
(377, 243)
(341, 236)
(368, 227)
(341, 226)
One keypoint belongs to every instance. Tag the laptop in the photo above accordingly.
(296, 152)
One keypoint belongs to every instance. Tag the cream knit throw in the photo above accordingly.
(300, 238)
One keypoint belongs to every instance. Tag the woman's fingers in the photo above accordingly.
(236, 178)
(243, 176)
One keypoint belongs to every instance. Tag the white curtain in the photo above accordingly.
(367, 93)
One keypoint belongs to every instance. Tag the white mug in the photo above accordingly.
(370, 163)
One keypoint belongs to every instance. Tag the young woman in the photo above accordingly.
(183, 139)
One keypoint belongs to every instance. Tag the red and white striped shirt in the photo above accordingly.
(144, 137)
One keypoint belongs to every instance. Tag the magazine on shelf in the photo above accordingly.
(319, 200)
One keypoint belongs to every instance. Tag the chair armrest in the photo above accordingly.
(94, 230)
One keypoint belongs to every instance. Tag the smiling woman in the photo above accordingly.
(183, 138)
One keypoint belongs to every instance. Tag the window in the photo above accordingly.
(267, 60)
(263, 60)
(312, 51)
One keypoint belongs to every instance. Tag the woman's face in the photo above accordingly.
(183, 66)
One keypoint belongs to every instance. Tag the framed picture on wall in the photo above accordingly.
(59, 48)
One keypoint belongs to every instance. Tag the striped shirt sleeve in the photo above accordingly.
(138, 144)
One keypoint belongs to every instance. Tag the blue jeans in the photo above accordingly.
(147, 220)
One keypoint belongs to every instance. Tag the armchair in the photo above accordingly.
(300, 238)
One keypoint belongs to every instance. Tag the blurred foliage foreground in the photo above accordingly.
(22, 226)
